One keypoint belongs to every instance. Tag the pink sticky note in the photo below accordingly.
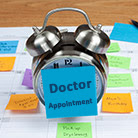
(27, 80)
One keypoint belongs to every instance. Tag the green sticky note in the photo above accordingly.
(119, 80)
(25, 49)
(74, 130)
(114, 47)
(119, 62)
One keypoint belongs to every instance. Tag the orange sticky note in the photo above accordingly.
(22, 102)
(117, 103)
(7, 63)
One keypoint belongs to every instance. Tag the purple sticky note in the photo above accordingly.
(27, 80)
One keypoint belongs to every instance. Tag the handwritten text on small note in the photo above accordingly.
(7, 63)
(74, 130)
(117, 102)
(22, 102)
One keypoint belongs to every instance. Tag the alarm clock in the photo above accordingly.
(52, 48)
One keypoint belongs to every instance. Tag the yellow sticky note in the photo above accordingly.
(22, 102)
(7, 63)
(117, 103)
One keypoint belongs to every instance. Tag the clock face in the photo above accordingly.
(68, 62)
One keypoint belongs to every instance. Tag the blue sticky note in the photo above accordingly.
(70, 92)
(124, 32)
(8, 47)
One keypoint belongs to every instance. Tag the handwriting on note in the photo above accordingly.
(74, 130)
(114, 47)
(8, 47)
(119, 80)
(22, 102)
(119, 62)
(27, 80)
(117, 102)
(7, 63)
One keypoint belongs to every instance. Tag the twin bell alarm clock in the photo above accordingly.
(52, 48)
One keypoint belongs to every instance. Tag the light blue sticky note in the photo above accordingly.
(70, 92)
(8, 47)
(124, 32)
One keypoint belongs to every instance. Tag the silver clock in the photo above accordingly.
(53, 48)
